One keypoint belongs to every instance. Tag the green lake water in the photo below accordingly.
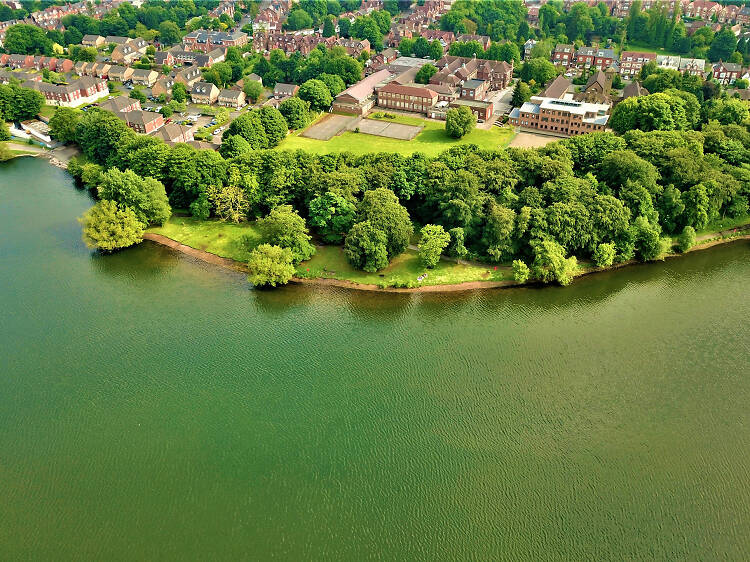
(157, 408)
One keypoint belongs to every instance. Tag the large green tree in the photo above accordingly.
(382, 209)
(366, 247)
(316, 93)
(284, 227)
(459, 121)
(108, 226)
(332, 215)
(270, 266)
(145, 196)
(434, 240)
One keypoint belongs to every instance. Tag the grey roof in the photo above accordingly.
(286, 89)
(202, 88)
(732, 66)
(529, 107)
(515, 112)
(473, 83)
(231, 94)
(115, 105)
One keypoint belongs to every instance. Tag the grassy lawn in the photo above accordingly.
(47, 110)
(330, 262)
(431, 141)
(216, 237)
(724, 224)
(635, 46)
(224, 239)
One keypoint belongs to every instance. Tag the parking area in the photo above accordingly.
(329, 126)
(387, 129)
(532, 140)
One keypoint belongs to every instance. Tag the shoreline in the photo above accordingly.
(712, 239)
(233, 265)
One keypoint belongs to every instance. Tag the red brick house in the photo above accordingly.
(631, 62)
(144, 122)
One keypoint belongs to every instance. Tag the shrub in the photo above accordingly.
(521, 271)
(604, 255)
(686, 239)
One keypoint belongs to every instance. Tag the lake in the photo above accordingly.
(155, 407)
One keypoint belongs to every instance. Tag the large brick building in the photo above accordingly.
(454, 71)
(560, 117)
(406, 98)
(207, 41)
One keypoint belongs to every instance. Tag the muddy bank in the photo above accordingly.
(468, 286)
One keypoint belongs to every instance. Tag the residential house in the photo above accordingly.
(560, 117)
(204, 92)
(592, 57)
(120, 73)
(669, 62)
(268, 19)
(21, 61)
(694, 67)
(354, 47)
(282, 90)
(178, 56)
(144, 122)
(187, 76)
(102, 70)
(726, 72)
(481, 39)
(702, 9)
(378, 61)
(634, 89)
(359, 98)
(129, 52)
(81, 67)
(528, 47)
(564, 55)
(163, 86)
(120, 104)
(6, 76)
(164, 58)
(81, 91)
(93, 41)
(144, 77)
(445, 38)
(453, 71)
(116, 40)
(252, 77)
(231, 98)
(631, 62)
(62, 66)
(743, 16)
(173, 133)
